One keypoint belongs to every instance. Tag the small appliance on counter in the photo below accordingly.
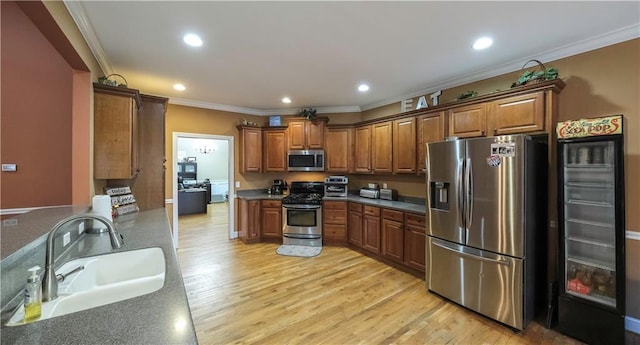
(388, 194)
(371, 193)
(336, 186)
(278, 187)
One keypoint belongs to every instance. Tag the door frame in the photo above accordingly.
(231, 173)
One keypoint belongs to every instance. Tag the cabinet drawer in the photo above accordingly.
(335, 216)
(271, 203)
(371, 210)
(335, 231)
(398, 216)
(334, 205)
(355, 207)
(415, 219)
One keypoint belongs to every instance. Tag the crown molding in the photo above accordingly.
(79, 15)
(258, 112)
(610, 38)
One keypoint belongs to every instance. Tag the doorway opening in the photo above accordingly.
(209, 180)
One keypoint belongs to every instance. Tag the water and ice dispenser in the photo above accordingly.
(439, 195)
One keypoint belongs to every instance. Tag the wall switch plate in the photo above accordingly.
(80, 228)
(9, 167)
(384, 186)
(237, 184)
(66, 239)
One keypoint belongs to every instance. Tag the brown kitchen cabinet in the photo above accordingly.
(306, 135)
(249, 219)
(334, 221)
(393, 235)
(517, 114)
(250, 149)
(354, 224)
(415, 241)
(274, 149)
(404, 146)
(271, 216)
(148, 186)
(339, 149)
(115, 130)
(362, 149)
(371, 228)
(431, 129)
(381, 147)
(468, 121)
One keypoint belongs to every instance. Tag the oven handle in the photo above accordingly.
(302, 207)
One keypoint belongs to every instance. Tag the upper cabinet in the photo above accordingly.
(275, 149)
(339, 149)
(516, 114)
(306, 135)
(431, 129)
(381, 144)
(404, 146)
(362, 150)
(250, 149)
(115, 132)
(468, 121)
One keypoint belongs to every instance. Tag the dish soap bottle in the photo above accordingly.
(33, 296)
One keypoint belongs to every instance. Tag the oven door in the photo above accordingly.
(304, 220)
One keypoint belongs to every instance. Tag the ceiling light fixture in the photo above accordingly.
(363, 87)
(179, 87)
(482, 43)
(192, 40)
(286, 100)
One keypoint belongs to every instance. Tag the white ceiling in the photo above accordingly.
(316, 53)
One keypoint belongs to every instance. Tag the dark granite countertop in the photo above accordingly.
(161, 317)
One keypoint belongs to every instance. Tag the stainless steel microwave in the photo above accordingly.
(305, 160)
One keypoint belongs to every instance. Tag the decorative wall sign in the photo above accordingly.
(590, 127)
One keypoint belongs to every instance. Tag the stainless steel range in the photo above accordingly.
(302, 214)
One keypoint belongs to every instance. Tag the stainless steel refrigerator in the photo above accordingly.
(486, 203)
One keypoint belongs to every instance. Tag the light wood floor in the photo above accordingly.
(248, 294)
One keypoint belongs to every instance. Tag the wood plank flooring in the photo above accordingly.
(248, 294)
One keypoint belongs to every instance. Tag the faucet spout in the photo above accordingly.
(49, 281)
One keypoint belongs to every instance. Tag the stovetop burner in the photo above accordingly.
(305, 193)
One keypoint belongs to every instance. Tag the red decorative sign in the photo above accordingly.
(590, 127)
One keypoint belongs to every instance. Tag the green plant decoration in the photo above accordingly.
(309, 114)
(536, 76)
(104, 80)
(467, 94)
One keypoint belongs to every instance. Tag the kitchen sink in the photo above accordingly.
(105, 279)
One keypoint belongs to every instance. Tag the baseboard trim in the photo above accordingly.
(632, 325)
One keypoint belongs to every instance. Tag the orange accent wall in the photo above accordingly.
(36, 106)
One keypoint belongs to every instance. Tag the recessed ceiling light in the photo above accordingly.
(192, 40)
(482, 43)
(179, 87)
(363, 87)
(286, 100)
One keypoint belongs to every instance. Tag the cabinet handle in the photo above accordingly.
(495, 131)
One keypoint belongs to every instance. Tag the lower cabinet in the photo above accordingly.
(334, 221)
(271, 215)
(354, 224)
(371, 229)
(414, 241)
(393, 235)
(249, 219)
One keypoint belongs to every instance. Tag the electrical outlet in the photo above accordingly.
(384, 186)
(237, 184)
(66, 239)
(80, 228)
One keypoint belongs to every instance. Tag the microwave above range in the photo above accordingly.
(305, 160)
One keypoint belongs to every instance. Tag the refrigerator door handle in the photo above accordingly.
(459, 184)
(469, 190)
(471, 256)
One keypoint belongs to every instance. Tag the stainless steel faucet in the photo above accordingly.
(49, 281)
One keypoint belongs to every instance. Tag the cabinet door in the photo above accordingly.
(354, 224)
(404, 146)
(363, 149)
(115, 135)
(297, 135)
(393, 240)
(271, 221)
(381, 143)
(414, 249)
(150, 182)
(275, 150)
(371, 233)
(517, 114)
(242, 219)
(431, 129)
(251, 150)
(468, 121)
(253, 228)
(338, 149)
(315, 135)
